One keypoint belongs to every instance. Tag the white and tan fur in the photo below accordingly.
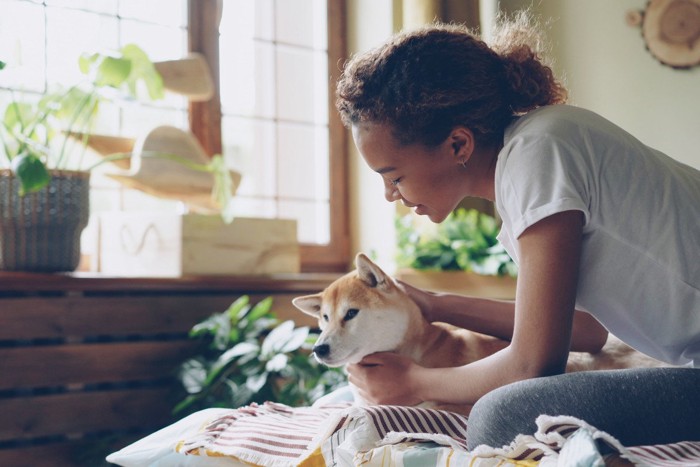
(367, 311)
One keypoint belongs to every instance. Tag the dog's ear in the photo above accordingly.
(309, 304)
(370, 273)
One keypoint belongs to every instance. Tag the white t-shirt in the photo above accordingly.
(640, 264)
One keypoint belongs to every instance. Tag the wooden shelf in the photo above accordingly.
(87, 282)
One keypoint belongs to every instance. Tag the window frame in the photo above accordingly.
(205, 123)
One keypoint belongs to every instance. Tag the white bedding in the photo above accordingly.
(382, 436)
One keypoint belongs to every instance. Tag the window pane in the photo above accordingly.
(71, 33)
(22, 41)
(274, 93)
(159, 41)
(250, 148)
(302, 85)
(253, 207)
(303, 162)
(108, 7)
(302, 22)
(164, 12)
(310, 217)
(247, 77)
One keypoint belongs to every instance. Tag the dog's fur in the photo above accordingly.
(366, 311)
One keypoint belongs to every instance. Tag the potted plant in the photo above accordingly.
(460, 255)
(44, 183)
(248, 356)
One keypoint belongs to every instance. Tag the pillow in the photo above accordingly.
(158, 449)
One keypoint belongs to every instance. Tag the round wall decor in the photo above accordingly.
(671, 31)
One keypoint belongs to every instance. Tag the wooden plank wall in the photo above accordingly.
(83, 373)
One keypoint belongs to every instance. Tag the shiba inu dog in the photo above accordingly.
(367, 311)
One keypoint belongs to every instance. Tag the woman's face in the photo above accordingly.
(429, 180)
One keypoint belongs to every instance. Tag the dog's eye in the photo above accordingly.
(325, 317)
(352, 312)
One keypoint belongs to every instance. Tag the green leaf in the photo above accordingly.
(238, 308)
(207, 326)
(185, 404)
(112, 71)
(226, 358)
(2, 65)
(143, 70)
(31, 172)
(238, 394)
(222, 191)
(239, 349)
(296, 340)
(193, 374)
(255, 382)
(278, 337)
(261, 309)
(276, 363)
(124, 71)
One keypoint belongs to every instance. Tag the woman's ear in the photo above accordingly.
(462, 143)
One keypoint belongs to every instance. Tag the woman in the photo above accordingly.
(605, 231)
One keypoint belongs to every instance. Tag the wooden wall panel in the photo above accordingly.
(89, 361)
(62, 317)
(52, 365)
(85, 412)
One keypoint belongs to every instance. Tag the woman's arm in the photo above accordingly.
(496, 317)
(542, 324)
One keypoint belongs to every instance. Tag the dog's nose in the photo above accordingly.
(322, 350)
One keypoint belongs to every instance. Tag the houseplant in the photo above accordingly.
(44, 189)
(461, 254)
(247, 356)
(44, 181)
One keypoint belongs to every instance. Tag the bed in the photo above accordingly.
(341, 434)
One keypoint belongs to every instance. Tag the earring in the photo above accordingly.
(464, 164)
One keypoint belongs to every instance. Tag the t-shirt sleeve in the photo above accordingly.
(542, 176)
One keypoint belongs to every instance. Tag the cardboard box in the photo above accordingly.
(172, 245)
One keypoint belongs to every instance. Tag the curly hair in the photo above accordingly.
(426, 81)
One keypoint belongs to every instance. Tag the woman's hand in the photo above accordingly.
(385, 378)
(423, 299)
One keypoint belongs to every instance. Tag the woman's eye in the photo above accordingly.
(351, 313)
(395, 181)
(325, 317)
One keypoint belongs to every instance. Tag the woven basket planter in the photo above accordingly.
(40, 232)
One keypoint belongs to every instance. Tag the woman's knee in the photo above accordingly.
(498, 416)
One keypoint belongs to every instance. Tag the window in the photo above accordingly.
(278, 62)
(41, 42)
(275, 62)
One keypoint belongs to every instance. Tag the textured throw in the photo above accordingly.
(268, 434)
(343, 435)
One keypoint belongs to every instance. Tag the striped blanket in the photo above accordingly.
(342, 435)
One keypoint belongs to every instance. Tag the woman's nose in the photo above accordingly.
(391, 193)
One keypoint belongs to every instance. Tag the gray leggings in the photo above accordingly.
(637, 406)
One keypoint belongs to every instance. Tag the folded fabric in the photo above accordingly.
(565, 440)
(361, 429)
(269, 434)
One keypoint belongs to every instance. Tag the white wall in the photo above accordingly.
(608, 70)
(370, 22)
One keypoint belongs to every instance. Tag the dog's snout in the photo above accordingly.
(322, 350)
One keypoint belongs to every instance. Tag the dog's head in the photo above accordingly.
(361, 313)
